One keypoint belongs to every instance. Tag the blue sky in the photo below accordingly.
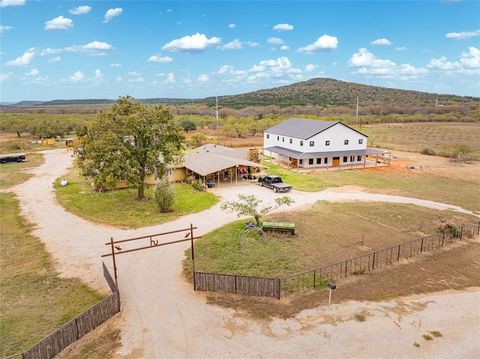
(104, 49)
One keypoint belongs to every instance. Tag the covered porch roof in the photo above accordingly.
(299, 155)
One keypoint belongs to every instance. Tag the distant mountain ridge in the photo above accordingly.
(316, 92)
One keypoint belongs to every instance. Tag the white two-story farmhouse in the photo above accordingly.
(301, 143)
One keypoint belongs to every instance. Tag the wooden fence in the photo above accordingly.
(317, 278)
(77, 327)
(263, 287)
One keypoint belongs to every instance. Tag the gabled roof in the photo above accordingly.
(303, 129)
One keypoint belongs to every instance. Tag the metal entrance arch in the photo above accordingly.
(153, 242)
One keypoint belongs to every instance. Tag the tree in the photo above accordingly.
(129, 142)
(198, 139)
(249, 205)
(188, 125)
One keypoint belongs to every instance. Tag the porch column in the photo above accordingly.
(218, 175)
(298, 162)
(236, 174)
(364, 161)
(376, 160)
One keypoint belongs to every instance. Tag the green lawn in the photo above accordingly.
(119, 207)
(326, 233)
(12, 174)
(430, 187)
(34, 300)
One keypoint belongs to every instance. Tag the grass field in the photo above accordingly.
(387, 180)
(34, 299)
(328, 232)
(442, 137)
(119, 207)
(12, 174)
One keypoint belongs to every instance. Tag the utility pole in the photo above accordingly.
(356, 115)
(436, 104)
(216, 114)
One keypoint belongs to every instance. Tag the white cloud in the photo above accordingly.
(285, 48)
(98, 75)
(283, 27)
(310, 67)
(5, 76)
(463, 35)
(400, 48)
(170, 78)
(116, 64)
(92, 48)
(137, 79)
(50, 51)
(80, 10)
(77, 76)
(4, 28)
(134, 73)
(5, 3)
(169, 10)
(33, 72)
(203, 78)
(252, 44)
(161, 59)
(111, 13)
(232, 45)
(366, 63)
(55, 59)
(381, 42)
(468, 63)
(232, 26)
(275, 41)
(119, 79)
(59, 23)
(24, 59)
(323, 43)
(192, 43)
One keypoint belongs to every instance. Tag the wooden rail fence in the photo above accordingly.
(263, 287)
(77, 327)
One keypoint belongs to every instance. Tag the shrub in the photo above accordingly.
(462, 153)
(428, 151)
(198, 185)
(198, 140)
(188, 125)
(165, 195)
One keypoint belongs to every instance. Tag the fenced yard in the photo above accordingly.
(318, 278)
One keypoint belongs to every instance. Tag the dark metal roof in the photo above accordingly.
(304, 129)
(296, 154)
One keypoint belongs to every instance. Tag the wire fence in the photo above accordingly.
(319, 277)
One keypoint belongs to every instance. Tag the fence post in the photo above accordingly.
(373, 261)
(461, 232)
(478, 230)
(443, 237)
(346, 266)
(314, 277)
(421, 246)
(398, 255)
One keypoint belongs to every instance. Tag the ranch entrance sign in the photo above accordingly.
(152, 241)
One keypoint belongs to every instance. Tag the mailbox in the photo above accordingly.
(331, 285)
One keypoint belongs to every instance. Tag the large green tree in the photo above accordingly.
(129, 142)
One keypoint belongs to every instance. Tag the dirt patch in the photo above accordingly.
(456, 267)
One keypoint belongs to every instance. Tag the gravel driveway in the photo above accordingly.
(163, 316)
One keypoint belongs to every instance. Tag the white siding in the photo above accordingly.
(336, 134)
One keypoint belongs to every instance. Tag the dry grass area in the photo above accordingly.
(415, 136)
(11, 143)
(326, 233)
(14, 173)
(451, 268)
(214, 136)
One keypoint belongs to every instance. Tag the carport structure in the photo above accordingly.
(214, 164)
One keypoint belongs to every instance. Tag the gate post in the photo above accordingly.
(193, 256)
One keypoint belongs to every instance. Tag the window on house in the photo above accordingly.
(360, 141)
(359, 158)
(301, 162)
(325, 160)
(312, 143)
(283, 139)
(352, 158)
(319, 161)
(327, 143)
(345, 159)
(278, 138)
(301, 143)
(345, 142)
(268, 135)
(310, 161)
(291, 141)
